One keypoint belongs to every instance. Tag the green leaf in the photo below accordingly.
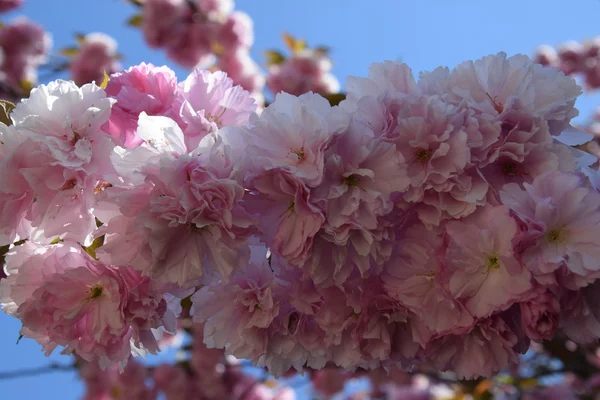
(135, 20)
(274, 57)
(57, 241)
(6, 108)
(96, 244)
(137, 3)
(19, 338)
(69, 51)
(336, 98)
(295, 45)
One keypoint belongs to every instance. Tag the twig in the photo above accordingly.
(22, 373)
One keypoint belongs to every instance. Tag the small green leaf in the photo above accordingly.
(274, 57)
(6, 108)
(137, 3)
(295, 45)
(19, 338)
(336, 98)
(69, 51)
(57, 241)
(135, 20)
(96, 244)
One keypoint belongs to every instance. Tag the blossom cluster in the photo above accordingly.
(95, 56)
(205, 374)
(442, 223)
(574, 58)
(306, 70)
(9, 5)
(203, 33)
(24, 47)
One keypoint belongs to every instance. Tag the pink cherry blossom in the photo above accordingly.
(161, 19)
(486, 349)
(96, 56)
(497, 83)
(66, 298)
(186, 219)
(248, 302)
(7, 5)
(192, 46)
(244, 71)
(111, 384)
(67, 120)
(237, 32)
(562, 208)
(77, 303)
(305, 71)
(483, 269)
(289, 220)
(25, 46)
(328, 381)
(414, 276)
(209, 101)
(143, 88)
(432, 139)
(540, 316)
(173, 381)
(293, 134)
(579, 318)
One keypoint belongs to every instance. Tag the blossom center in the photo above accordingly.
(299, 153)
(509, 169)
(556, 235)
(76, 137)
(217, 118)
(424, 155)
(493, 262)
(351, 180)
(497, 105)
(95, 292)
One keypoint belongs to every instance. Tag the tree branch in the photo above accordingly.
(22, 373)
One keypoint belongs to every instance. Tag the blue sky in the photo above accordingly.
(423, 33)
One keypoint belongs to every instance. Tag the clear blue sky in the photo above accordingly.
(423, 33)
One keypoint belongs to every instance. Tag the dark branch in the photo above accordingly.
(22, 373)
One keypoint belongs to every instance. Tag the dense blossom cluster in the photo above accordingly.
(305, 70)
(95, 56)
(9, 5)
(24, 47)
(205, 374)
(203, 33)
(574, 58)
(440, 224)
